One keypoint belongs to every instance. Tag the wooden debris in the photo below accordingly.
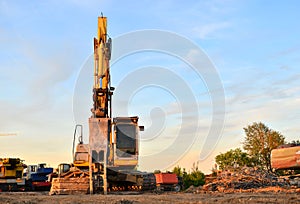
(66, 186)
(245, 179)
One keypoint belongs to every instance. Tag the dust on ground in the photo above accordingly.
(182, 197)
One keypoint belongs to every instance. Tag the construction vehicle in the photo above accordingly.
(110, 159)
(286, 159)
(37, 177)
(168, 182)
(73, 178)
(11, 174)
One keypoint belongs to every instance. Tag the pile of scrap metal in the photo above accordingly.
(245, 179)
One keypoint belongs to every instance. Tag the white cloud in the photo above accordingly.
(286, 52)
(211, 30)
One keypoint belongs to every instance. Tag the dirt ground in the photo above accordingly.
(216, 197)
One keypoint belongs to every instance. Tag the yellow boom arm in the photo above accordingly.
(102, 54)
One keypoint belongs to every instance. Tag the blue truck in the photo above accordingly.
(37, 177)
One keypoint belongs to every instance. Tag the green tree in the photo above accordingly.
(195, 178)
(259, 142)
(178, 171)
(295, 142)
(234, 158)
(157, 172)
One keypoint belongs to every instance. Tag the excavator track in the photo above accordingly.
(149, 182)
(131, 181)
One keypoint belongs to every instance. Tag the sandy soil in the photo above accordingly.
(43, 197)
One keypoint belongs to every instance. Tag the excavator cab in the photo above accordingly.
(126, 136)
(63, 168)
(126, 139)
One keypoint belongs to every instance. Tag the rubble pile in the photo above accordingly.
(244, 179)
(74, 181)
(67, 186)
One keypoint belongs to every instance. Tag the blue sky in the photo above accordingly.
(44, 45)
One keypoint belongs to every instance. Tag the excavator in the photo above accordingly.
(286, 158)
(110, 158)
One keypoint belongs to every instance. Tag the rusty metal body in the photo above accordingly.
(98, 148)
(167, 182)
(286, 158)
